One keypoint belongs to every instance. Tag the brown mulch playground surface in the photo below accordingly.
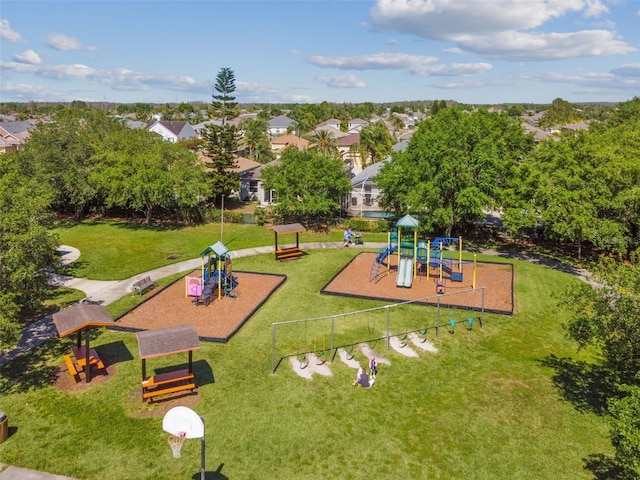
(217, 321)
(496, 278)
(220, 319)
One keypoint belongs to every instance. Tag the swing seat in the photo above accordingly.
(452, 325)
(351, 352)
(321, 358)
(304, 361)
(403, 340)
(469, 323)
(423, 335)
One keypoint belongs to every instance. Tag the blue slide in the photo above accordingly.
(405, 272)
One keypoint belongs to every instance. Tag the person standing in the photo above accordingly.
(348, 234)
(373, 366)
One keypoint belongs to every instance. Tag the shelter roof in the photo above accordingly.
(79, 316)
(288, 228)
(408, 222)
(166, 341)
(217, 248)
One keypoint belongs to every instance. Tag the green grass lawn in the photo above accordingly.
(489, 405)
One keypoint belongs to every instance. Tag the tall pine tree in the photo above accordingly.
(220, 140)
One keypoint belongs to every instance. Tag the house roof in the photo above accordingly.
(357, 121)
(174, 127)
(283, 141)
(372, 170)
(348, 140)
(328, 128)
(243, 164)
(330, 123)
(166, 341)
(16, 127)
(280, 122)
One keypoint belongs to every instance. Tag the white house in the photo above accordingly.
(365, 194)
(279, 126)
(172, 131)
(356, 124)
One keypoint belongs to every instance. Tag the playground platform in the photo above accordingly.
(354, 281)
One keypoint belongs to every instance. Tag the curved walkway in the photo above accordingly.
(105, 292)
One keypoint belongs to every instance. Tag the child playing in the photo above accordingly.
(373, 366)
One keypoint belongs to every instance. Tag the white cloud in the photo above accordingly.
(63, 42)
(376, 61)
(500, 28)
(446, 19)
(341, 81)
(7, 34)
(595, 8)
(546, 46)
(412, 64)
(25, 92)
(28, 56)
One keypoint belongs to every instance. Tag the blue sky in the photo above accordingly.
(472, 51)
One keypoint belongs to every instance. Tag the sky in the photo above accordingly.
(310, 51)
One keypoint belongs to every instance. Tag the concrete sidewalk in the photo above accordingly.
(102, 292)
(15, 473)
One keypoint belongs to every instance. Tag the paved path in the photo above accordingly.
(106, 292)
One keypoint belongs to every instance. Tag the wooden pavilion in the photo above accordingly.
(80, 318)
(288, 252)
(167, 341)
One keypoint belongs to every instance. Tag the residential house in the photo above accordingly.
(278, 144)
(244, 168)
(351, 155)
(332, 122)
(172, 131)
(199, 127)
(365, 194)
(12, 134)
(356, 124)
(336, 132)
(279, 126)
(256, 188)
(538, 133)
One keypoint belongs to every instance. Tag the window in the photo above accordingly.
(354, 201)
(253, 186)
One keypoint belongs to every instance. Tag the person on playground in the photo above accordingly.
(348, 235)
(373, 366)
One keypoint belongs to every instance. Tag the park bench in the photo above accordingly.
(141, 285)
(73, 371)
(288, 253)
(166, 383)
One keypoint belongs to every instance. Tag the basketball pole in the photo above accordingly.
(202, 469)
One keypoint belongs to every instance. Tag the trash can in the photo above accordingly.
(4, 427)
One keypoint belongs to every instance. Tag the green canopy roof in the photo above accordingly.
(408, 222)
(217, 249)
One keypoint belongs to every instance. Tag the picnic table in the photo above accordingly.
(80, 353)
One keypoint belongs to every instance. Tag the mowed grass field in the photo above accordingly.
(490, 404)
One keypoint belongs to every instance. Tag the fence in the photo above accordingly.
(324, 335)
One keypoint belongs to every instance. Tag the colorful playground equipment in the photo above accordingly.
(417, 257)
(216, 275)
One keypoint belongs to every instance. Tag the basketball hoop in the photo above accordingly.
(176, 442)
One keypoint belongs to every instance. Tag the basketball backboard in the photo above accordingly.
(183, 420)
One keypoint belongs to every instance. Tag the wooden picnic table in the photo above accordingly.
(81, 357)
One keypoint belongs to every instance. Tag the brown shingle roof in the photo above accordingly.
(166, 341)
(80, 316)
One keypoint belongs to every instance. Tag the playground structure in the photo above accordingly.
(320, 338)
(419, 256)
(216, 276)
